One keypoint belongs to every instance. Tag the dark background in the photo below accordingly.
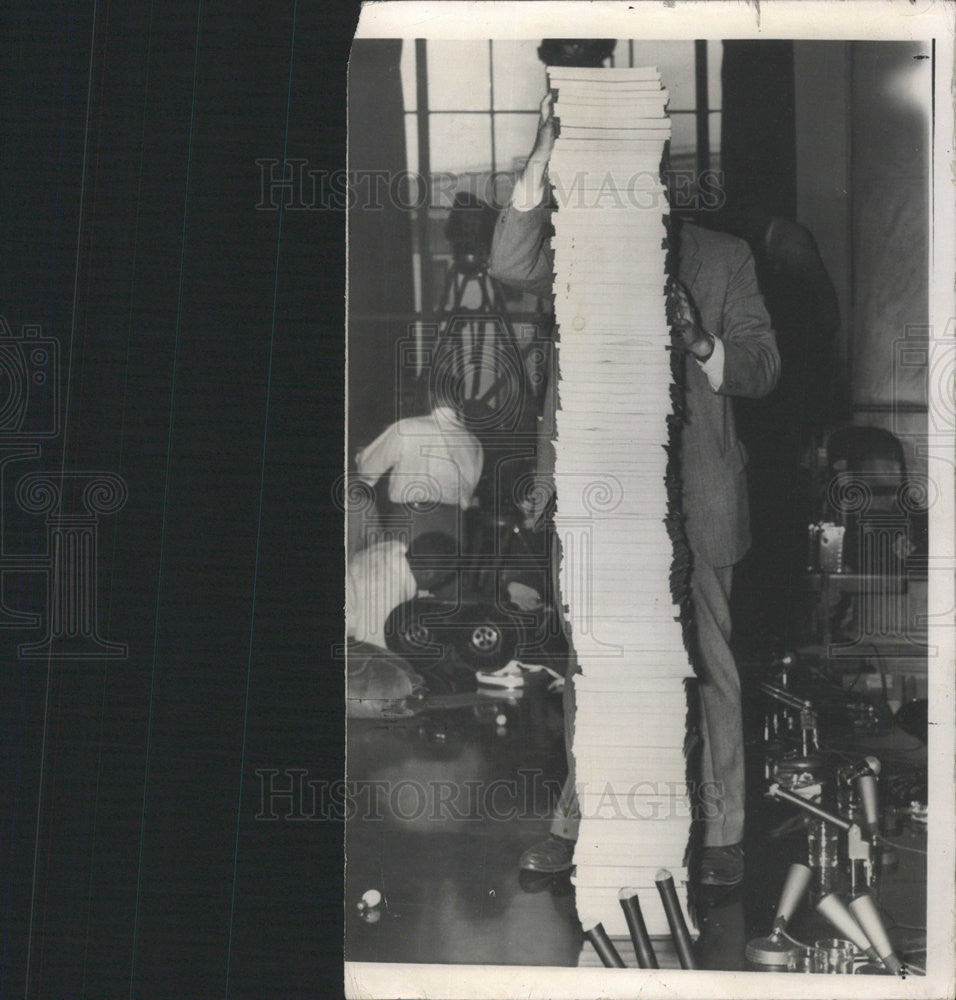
(201, 345)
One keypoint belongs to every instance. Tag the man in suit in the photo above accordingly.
(724, 326)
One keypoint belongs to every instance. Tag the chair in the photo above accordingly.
(872, 453)
(868, 492)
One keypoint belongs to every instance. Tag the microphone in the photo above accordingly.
(603, 945)
(864, 909)
(866, 788)
(835, 910)
(771, 950)
(675, 919)
(646, 959)
(794, 887)
(869, 765)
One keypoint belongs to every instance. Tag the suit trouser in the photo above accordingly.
(722, 759)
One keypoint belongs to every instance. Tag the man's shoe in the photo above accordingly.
(550, 856)
(722, 866)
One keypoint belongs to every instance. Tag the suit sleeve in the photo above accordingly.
(751, 358)
(520, 255)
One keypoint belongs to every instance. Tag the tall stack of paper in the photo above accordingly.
(612, 430)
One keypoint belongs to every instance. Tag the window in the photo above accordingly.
(471, 108)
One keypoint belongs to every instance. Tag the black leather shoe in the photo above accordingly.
(722, 866)
(550, 856)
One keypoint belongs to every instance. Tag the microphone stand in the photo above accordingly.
(808, 717)
(859, 849)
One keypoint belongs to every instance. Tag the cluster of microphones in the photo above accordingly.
(643, 949)
(859, 923)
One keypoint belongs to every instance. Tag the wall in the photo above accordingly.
(890, 209)
(862, 189)
(822, 87)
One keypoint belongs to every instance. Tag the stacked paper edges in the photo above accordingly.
(611, 459)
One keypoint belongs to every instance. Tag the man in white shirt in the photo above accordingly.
(384, 575)
(434, 463)
(378, 580)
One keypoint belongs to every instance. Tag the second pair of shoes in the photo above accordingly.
(551, 856)
(719, 866)
(722, 866)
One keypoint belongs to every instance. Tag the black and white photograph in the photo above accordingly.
(648, 500)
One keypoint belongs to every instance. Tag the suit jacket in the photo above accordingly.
(718, 271)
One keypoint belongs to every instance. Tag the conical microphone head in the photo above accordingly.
(836, 911)
(864, 909)
(794, 887)
(874, 764)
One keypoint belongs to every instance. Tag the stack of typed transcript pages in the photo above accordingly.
(615, 431)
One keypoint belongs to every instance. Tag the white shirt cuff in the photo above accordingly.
(713, 367)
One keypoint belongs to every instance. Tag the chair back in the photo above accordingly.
(866, 468)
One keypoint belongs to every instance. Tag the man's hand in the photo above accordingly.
(529, 188)
(686, 322)
(544, 141)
